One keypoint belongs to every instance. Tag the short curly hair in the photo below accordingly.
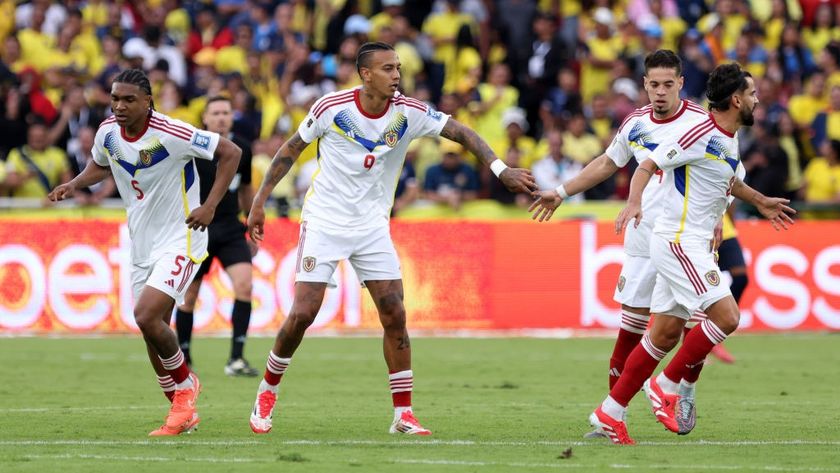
(724, 81)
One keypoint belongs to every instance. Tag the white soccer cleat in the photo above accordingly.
(263, 410)
(408, 424)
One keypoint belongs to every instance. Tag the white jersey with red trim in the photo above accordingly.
(360, 156)
(705, 162)
(158, 182)
(639, 135)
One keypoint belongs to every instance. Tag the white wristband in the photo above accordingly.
(561, 190)
(498, 166)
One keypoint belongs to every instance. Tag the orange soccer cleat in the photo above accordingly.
(615, 430)
(408, 424)
(182, 417)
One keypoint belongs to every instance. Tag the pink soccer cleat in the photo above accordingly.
(408, 424)
(662, 404)
(263, 410)
(615, 430)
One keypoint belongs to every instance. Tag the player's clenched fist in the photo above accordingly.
(256, 220)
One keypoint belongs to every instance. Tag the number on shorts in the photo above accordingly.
(178, 260)
(369, 160)
(136, 186)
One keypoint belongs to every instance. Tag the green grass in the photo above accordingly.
(495, 405)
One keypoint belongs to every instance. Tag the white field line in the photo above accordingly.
(619, 466)
(421, 443)
(613, 466)
(83, 456)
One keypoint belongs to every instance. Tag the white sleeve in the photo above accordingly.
(740, 173)
(312, 128)
(669, 156)
(203, 143)
(619, 149)
(428, 123)
(100, 155)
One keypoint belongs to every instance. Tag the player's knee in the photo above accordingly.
(728, 323)
(302, 318)
(145, 319)
(242, 289)
(394, 320)
(665, 340)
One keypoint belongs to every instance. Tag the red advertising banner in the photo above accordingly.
(72, 276)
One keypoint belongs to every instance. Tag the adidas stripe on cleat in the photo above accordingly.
(662, 404)
(615, 430)
(408, 424)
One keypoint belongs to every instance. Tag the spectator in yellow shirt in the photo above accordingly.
(602, 50)
(35, 168)
(496, 95)
(823, 31)
(390, 10)
(463, 69)
(515, 125)
(805, 107)
(822, 181)
(578, 143)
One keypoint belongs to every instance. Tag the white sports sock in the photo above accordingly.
(687, 389)
(264, 386)
(398, 411)
(613, 409)
(670, 387)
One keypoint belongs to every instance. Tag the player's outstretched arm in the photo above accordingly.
(774, 209)
(280, 166)
(90, 175)
(228, 155)
(598, 170)
(515, 179)
(633, 210)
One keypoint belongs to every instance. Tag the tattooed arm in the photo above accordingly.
(515, 179)
(280, 165)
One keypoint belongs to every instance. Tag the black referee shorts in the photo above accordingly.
(730, 255)
(227, 244)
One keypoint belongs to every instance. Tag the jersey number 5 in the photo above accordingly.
(136, 186)
(369, 160)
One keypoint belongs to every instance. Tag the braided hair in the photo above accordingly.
(139, 78)
(363, 56)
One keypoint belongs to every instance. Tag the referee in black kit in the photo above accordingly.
(227, 241)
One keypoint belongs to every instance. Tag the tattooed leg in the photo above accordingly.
(388, 297)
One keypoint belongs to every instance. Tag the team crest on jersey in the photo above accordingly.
(621, 282)
(308, 263)
(713, 277)
(391, 138)
(345, 124)
(672, 154)
(145, 157)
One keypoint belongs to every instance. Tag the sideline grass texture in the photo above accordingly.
(494, 405)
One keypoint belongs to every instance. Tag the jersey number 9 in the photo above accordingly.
(369, 160)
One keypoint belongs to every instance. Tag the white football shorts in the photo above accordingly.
(688, 279)
(370, 251)
(172, 274)
(635, 284)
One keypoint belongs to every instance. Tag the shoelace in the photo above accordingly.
(266, 403)
(684, 411)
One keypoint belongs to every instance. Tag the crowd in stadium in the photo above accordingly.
(545, 82)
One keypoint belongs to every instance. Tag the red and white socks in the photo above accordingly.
(696, 346)
(167, 385)
(402, 383)
(178, 370)
(630, 332)
(640, 366)
(274, 369)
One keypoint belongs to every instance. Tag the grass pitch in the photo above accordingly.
(494, 405)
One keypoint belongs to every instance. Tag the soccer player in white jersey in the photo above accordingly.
(704, 163)
(151, 158)
(639, 135)
(362, 136)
